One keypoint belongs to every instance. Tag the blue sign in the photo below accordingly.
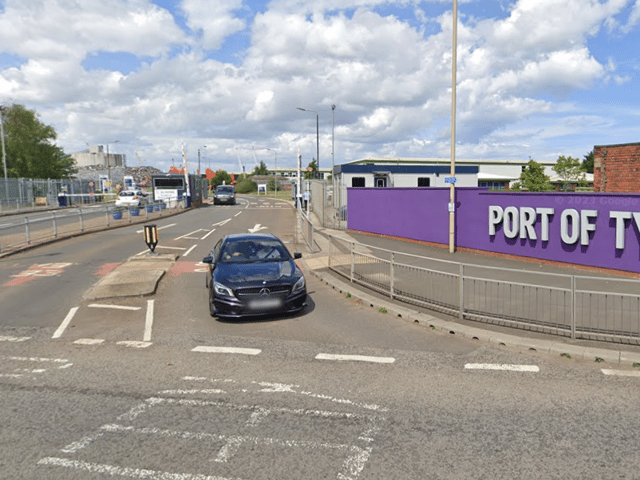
(450, 179)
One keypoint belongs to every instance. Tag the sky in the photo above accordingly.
(226, 78)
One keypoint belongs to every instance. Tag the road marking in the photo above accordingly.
(148, 323)
(13, 339)
(89, 341)
(257, 228)
(189, 234)
(244, 351)
(117, 307)
(219, 224)
(357, 358)
(237, 214)
(160, 228)
(504, 367)
(208, 234)
(65, 323)
(190, 250)
(134, 344)
(621, 373)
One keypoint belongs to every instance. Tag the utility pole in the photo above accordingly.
(4, 156)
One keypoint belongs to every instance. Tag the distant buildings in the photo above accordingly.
(96, 155)
(617, 168)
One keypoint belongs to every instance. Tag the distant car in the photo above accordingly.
(224, 194)
(253, 274)
(131, 198)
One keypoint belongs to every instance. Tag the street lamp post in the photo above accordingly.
(317, 136)
(275, 163)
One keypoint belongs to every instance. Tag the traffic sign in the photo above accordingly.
(450, 179)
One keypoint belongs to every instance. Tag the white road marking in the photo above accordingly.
(257, 228)
(237, 214)
(117, 307)
(134, 344)
(189, 234)
(208, 234)
(244, 351)
(159, 228)
(148, 323)
(89, 341)
(190, 250)
(113, 470)
(503, 367)
(170, 248)
(65, 323)
(192, 392)
(621, 373)
(219, 224)
(14, 339)
(357, 358)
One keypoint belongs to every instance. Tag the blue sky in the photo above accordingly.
(536, 78)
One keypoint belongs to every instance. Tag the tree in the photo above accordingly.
(533, 179)
(569, 170)
(221, 177)
(312, 170)
(29, 145)
(261, 170)
(588, 162)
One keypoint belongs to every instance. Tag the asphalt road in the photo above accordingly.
(153, 387)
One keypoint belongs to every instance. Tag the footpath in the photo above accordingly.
(316, 263)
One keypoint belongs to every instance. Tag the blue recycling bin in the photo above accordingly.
(62, 200)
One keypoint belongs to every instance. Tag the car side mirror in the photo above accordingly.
(297, 255)
(208, 259)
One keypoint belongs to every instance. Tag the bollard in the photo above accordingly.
(151, 236)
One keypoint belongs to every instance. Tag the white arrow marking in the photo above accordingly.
(257, 228)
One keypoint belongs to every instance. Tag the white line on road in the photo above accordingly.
(134, 344)
(208, 234)
(357, 358)
(189, 234)
(190, 250)
(621, 373)
(14, 339)
(65, 323)
(89, 341)
(160, 228)
(219, 224)
(148, 323)
(237, 214)
(504, 367)
(244, 351)
(117, 307)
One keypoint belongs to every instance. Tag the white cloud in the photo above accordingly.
(390, 80)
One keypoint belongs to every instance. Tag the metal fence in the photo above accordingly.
(579, 307)
(19, 231)
(19, 194)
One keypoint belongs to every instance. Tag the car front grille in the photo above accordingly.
(246, 294)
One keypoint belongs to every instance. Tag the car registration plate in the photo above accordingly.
(265, 304)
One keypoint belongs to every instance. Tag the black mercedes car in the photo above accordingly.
(253, 274)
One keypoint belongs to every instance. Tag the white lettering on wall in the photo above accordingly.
(571, 217)
(511, 222)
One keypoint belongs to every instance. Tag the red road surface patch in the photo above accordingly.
(37, 270)
(187, 267)
(106, 269)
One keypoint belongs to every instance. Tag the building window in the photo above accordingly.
(424, 182)
(357, 182)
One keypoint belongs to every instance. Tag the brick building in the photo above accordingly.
(617, 168)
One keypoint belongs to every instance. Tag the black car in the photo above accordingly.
(253, 274)
(224, 194)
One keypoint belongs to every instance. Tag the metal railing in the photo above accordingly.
(19, 231)
(578, 307)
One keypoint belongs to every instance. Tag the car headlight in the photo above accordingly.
(222, 290)
(299, 285)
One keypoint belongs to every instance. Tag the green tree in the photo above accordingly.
(246, 186)
(312, 170)
(261, 169)
(588, 162)
(222, 176)
(533, 179)
(569, 170)
(30, 148)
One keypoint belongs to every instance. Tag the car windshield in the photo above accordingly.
(224, 190)
(250, 251)
(126, 194)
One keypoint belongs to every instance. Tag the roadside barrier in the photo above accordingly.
(17, 232)
(578, 307)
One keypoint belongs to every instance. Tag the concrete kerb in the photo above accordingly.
(549, 347)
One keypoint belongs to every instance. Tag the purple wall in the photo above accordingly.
(422, 214)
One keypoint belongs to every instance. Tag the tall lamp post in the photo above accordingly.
(317, 135)
(452, 186)
(275, 163)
